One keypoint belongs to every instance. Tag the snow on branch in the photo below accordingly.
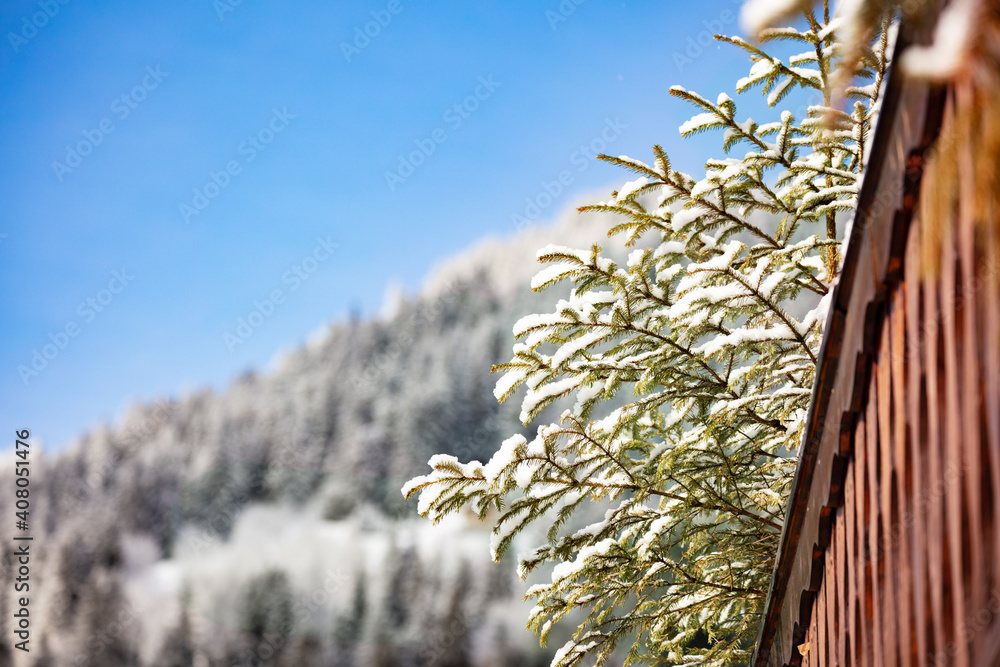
(683, 374)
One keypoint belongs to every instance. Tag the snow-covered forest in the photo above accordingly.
(264, 524)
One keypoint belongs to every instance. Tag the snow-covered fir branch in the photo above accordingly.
(690, 366)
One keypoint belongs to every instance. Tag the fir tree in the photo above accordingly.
(706, 338)
(305, 651)
(107, 624)
(44, 658)
(178, 646)
(349, 625)
(266, 609)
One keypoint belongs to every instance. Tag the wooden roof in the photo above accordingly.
(908, 125)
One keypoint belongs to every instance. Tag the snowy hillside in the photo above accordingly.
(264, 524)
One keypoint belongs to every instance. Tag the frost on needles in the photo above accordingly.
(689, 368)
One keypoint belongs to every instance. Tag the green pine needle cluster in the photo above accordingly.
(690, 368)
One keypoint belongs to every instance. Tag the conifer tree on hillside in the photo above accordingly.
(178, 649)
(266, 608)
(708, 337)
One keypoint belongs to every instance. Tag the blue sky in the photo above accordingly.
(168, 164)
